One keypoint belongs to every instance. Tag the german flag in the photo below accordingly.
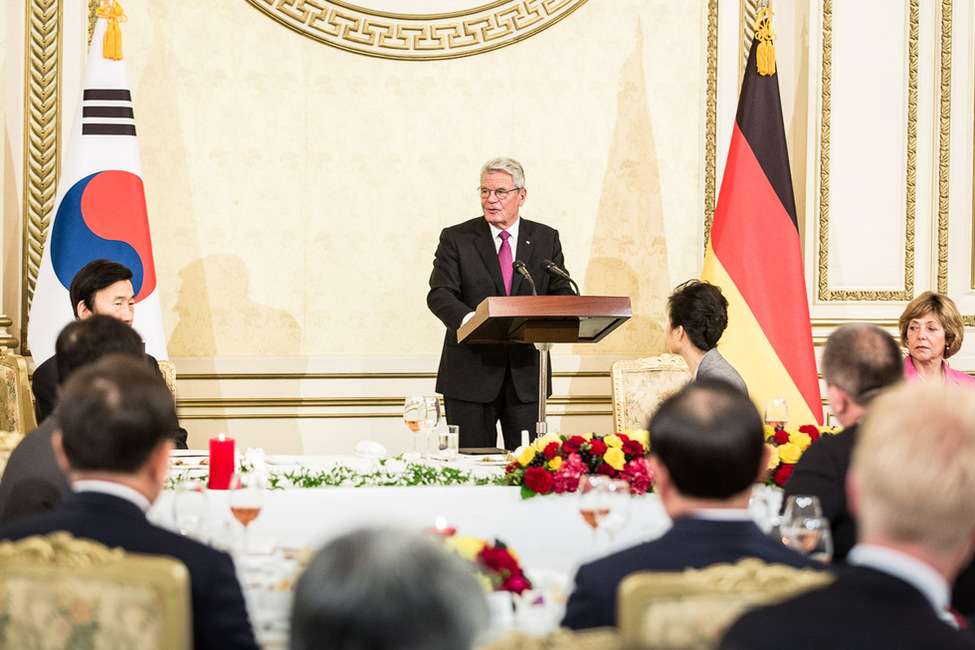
(754, 253)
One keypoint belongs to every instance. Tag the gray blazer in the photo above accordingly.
(714, 366)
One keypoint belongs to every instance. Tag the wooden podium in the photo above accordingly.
(543, 321)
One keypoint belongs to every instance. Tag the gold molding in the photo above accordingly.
(42, 153)
(417, 37)
(306, 376)
(825, 293)
(711, 121)
(747, 13)
(944, 146)
(345, 402)
(92, 18)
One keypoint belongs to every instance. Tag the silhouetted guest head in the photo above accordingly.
(374, 589)
(702, 310)
(103, 287)
(862, 360)
(114, 414)
(710, 439)
(85, 341)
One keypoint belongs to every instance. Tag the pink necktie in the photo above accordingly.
(504, 258)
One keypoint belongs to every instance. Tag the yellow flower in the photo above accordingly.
(555, 463)
(800, 440)
(548, 438)
(527, 456)
(613, 440)
(586, 436)
(773, 458)
(789, 453)
(640, 435)
(464, 546)
(615, 458)
(769, 431)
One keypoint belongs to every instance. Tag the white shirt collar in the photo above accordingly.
(722, 514)
(113, 489)
(512, 241)
(911, 570)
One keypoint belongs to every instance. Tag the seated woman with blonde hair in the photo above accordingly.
(932, 329)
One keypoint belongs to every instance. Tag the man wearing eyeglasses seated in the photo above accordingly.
(483, 384)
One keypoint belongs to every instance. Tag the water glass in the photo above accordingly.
(811, 536)
(449, 443)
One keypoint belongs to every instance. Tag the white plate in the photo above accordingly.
(489, 461)
(283, 460)
(188, 453)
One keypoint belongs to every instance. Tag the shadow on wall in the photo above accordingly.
(628, 256)
(217, 317)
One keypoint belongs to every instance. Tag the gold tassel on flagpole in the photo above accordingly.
(765, 35)
(112, 43)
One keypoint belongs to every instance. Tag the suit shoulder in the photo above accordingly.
(465, 227)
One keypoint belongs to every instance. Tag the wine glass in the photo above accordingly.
(776, 412)
(811, 536)
(190, 507)
(246, 498)
(590, 507)
(429, 422)
(798, 509)
(614, 506)
(414, 410)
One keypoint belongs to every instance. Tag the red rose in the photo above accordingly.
(539, 480)
(597, 448)
(572, 444)
(810, 430)
(516, 583)
(551, 450)
(780, 436)
(633, 448)
(498, 560)
(782, 474)
(606, 470)
(623, 436)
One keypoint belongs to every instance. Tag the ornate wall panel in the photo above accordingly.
(944, 144)
(417, 37)
(828, 162)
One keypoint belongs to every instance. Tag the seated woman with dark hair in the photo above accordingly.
(697, 317)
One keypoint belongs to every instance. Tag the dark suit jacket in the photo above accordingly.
(32, 482)
(821, 471)
(863, 608)
(44, 385)
(219, 617)
(465, 272)
(691, 543)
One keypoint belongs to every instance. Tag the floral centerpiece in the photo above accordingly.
(787, 445)
(496, 566)
(553, 463)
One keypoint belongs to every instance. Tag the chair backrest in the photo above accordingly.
(640, 385)
(16, 405)
(168, 370)
(62, 592)
(692, 609)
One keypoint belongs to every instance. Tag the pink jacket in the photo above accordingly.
(951, 376)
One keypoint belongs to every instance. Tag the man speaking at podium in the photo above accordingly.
(483, 384)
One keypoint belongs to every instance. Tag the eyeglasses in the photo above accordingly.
(501, 194)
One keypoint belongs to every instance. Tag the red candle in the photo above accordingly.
(221, 462)
(442, 528)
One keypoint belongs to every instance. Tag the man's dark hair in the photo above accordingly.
(710, 438)
(701, 310)
(113, 414)
(862, 360)
(85, 341)
(92, 278)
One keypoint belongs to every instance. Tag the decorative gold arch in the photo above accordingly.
(429, 37)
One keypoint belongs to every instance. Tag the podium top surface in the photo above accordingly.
(545, 319)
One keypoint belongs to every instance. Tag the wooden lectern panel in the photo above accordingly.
(545, 319)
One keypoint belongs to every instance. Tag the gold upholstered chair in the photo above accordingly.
(640, 385)
(692, 609)
(168, 370)
(16, 406)
(59, 592)
(600, 638)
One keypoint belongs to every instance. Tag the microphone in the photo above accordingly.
(519, 266)
(555, 270)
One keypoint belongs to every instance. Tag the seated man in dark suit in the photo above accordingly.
(32, 482)
(911, 488)
(100, 287)
(116, 420)
(707, 449)
(859, 362)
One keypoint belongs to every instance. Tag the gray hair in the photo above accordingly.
(509, 166)
(384, 588)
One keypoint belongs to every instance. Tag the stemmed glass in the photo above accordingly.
(776, 412)
(429, 422)
(811, 536)
(589, 503)
(246, 498)
(190, 507)
(603, 503)
(414, 411)
(799, 508)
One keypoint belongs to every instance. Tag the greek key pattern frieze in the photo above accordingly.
(826, 294)
(42, 115)
(417, 38)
